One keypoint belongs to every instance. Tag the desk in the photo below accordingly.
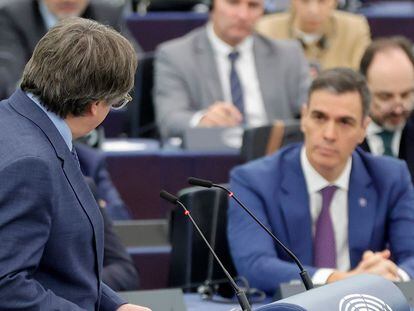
(140, 175)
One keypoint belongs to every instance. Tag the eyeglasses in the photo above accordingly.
(121, 103)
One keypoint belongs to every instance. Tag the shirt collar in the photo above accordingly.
(222, 48)
(60, 124)
(48, 17)
(315, 182)
(373, 128)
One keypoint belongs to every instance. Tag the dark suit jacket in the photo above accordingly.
(406, 151)
(51, 230)
(22, 26)
(93, 165)
(380, 215)
(118, 272)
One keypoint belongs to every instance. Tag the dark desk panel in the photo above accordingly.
(390, 18)
(156, 27)
(140, 175)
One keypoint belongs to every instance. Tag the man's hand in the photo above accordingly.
(130, 307)
(374, 263)
(221, 114)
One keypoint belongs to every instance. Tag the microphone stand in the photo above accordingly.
(303, 273)
(240, 294)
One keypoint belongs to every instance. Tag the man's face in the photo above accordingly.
(333, 126)
(390, 78)
(311, 15)
(234, 20)
(66, 8)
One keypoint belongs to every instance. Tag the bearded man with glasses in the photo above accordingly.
(388, 65)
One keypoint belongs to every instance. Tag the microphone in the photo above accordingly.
(240, 294)
(209, 184)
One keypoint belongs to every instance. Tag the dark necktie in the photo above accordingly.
(386, 137)
(235, 85)
(324, 243)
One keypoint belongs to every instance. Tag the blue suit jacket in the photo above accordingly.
(380, 209)
(51, 230)
(93, 164)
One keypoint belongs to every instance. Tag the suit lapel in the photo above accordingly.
(362, 202)
(24, 106)
(295, 208)
(205, 58)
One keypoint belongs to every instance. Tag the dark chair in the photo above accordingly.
(141, 111)
(191, 262)
(264, 140)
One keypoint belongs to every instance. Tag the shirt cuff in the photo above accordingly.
(403, 275)
(321, 276)
(196, 118)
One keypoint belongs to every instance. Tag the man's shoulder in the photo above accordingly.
(186, 41)
(344, 20)
(285, 47)
(273, 164)
(382, 168)
(19, 8)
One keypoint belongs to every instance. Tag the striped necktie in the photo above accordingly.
(235, 85)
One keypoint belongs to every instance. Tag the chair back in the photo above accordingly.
(141, 109)
(191, 261)
(267, 139)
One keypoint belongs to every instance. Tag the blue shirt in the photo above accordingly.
(60, 124)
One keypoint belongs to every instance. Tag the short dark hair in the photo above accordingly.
(77, 62)
(343, 80)
(382, 44)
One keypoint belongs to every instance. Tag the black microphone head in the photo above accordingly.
(200, 182)
(168, 196)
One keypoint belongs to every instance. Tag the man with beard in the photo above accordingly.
(388, 65)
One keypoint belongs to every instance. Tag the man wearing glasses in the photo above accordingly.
(52, 233)
(388, 65)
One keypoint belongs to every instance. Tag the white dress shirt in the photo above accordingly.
(254, 108)
(338, 211)
(375, 143)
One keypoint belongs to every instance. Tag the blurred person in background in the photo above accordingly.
(329, 37)
(24, 22)
(388, 65)
(224, 74)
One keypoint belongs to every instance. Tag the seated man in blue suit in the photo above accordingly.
(340, 210)
(51, 229)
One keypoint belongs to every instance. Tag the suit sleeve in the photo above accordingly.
(119, 272)
(252, 249)
(26, 211)
(12, 55)
(301, 82)
(401, 220)
(171, 95)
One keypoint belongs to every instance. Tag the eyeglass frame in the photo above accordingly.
(121, 103)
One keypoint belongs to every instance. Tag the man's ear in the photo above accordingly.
(92, 108)
(365, 122)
